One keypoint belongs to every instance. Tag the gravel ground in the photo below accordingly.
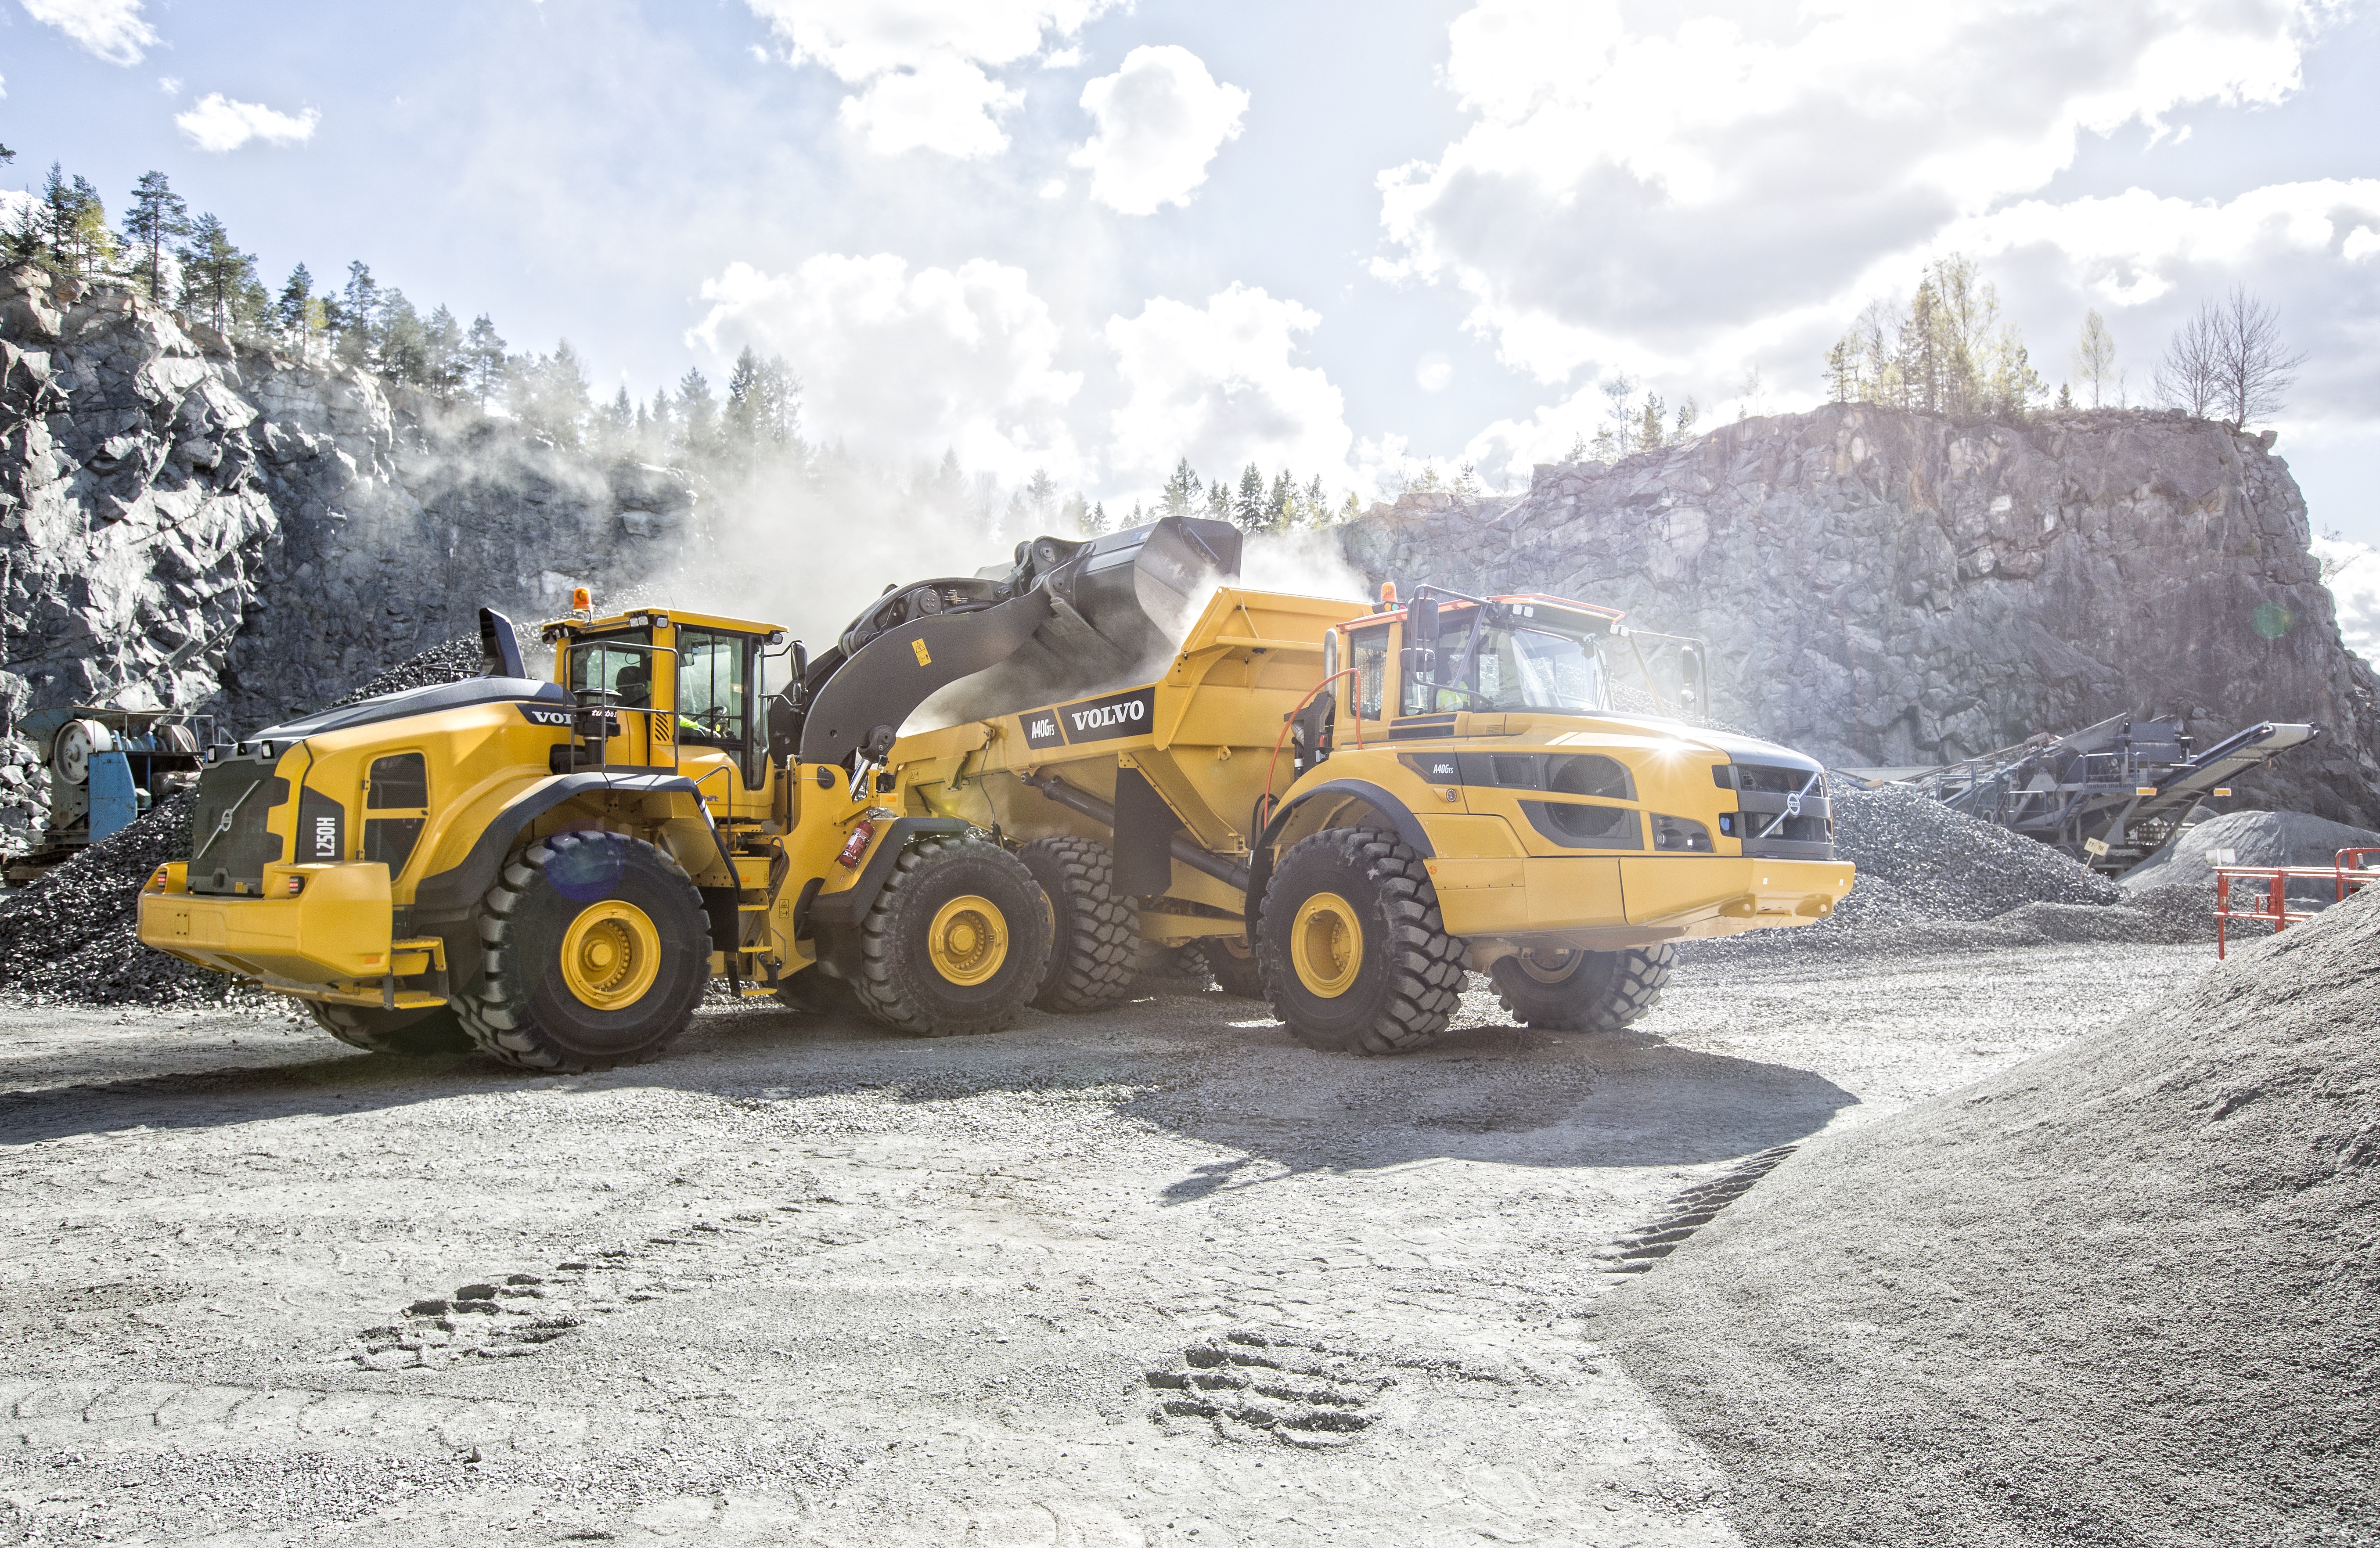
(1152, 1276)
(2125, 1292)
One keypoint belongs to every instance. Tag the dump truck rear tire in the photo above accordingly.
(1094, 933)
(597, 952)
(1233, 968)
(407, 1033)
(1356, 956)
(1591, 991)
(955, 943)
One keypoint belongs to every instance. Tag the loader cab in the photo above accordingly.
(1431, 659)
(662, 689)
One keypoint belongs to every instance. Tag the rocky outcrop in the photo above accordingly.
(1884, 588)
(189, 522)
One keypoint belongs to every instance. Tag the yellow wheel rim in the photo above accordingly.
(611, 955)
(1325, 945)
(1548, 966)
(969, 940)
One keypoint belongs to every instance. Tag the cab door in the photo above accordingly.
(721, 742)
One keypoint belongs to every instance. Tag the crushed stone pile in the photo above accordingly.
(1930, 878)
(2183, 873)
(2128, 1292)
(450, 662)
(69, 936)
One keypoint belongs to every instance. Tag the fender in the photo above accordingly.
(444, 904)
(1400, 816)
(836, 917)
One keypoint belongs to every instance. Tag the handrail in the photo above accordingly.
(2346, 873)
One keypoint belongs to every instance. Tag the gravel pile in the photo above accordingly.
(2122, 1293)
(1934, 880)
(2183, 873)
(69, 936)
(451, 662)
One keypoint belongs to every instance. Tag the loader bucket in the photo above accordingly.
(1062, 619)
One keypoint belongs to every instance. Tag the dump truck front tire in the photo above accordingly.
(597, 952)
(1583, 991)
(1356, 956)
(955, 943)
(1093, 938)
(1235, 969)
(408, 1033)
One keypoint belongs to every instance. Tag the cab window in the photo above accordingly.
(713, 705)
(1370, 649)
(618, 665)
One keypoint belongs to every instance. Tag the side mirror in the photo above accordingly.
(1421, 623)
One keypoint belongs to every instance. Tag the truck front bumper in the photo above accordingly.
(329, 940)
(1604, 903)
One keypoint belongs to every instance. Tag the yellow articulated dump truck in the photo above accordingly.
(1347, 808)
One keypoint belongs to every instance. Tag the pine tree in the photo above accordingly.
(1280, 503)
(1096, 524)
(739, 424)
(1318, 504)
(295, 312)
(403, 343)
(1248, 511)
(352, 320)
(1219, 501)
(621, 422)
(1040, 493)
(483, 360)
(218, 279)
(155, 219)
(75, 226)
(1182, 490)
(443, 371)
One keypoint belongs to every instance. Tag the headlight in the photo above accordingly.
(1680, 836)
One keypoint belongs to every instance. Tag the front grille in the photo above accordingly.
(229, 846)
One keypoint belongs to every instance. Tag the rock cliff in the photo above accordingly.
(1880, 588)
(188, 522)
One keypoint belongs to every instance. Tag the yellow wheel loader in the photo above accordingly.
(1348, 809)
(554, 871)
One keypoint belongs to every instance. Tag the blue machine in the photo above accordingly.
(106, 767)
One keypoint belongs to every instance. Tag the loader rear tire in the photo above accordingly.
(1583, 991)
(407, 1034)
(1356, 956)
(597, 952)
(1233, 967)
(955, 943)
(1094, 933)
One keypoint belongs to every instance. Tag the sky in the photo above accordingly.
(1092, 236)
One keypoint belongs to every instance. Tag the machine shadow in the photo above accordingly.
(1197, 1066)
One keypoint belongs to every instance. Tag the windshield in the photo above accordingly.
(1511, 668)
(620, 665)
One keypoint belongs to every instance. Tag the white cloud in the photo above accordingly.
(1434, 372)
(2354, 583)
(922, 63)
(1162, 119)
(220, 125)
(1646, 187)
(114, 29)
(897, 364)
(946, 104)
(1220, 385)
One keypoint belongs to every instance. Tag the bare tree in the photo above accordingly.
(2095, 358)
(2227, 362)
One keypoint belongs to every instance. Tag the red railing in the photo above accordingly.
(2346, 873)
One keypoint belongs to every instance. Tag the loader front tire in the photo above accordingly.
(1233, 967)
(407, 1034)
(1093, 938)
(1583, 991)
(1356, 956)
(597, 950)
(955, 943)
